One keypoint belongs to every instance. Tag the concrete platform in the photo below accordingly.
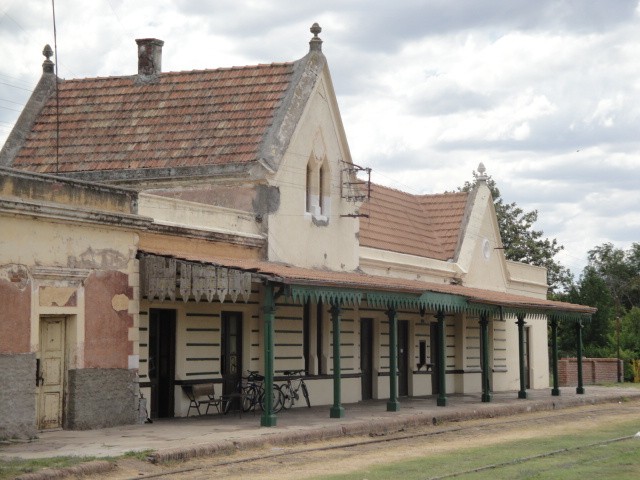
(181, 438)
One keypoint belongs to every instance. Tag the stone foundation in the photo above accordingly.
(17, 396)
(100, 398)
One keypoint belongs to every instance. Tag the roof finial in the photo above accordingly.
(47, 65)
(316, 42)
(482, 173)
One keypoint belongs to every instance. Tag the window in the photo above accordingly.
(318, 191)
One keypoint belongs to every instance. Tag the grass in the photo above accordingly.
(15, 467)
(18, 466)
(566, 457)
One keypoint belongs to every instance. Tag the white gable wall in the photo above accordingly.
(318, 239)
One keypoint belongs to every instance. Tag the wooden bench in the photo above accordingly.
(202, 394)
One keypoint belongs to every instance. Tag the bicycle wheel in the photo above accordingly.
(305, 392)
(287, 396)
(276, 399)
(249, 398)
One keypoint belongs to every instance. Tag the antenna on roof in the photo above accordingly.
(55, 52)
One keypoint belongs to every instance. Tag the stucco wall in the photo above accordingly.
(299, 237)
(17, 396)
(15, 292)
(99, 398)
(107, 320)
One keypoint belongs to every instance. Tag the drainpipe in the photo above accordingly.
(580, 388)
(337, 411)
(484, 340)
(523, 387)
(268, 418)
(555, 391)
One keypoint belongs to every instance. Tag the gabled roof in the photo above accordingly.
(424, 225)
(184, 119)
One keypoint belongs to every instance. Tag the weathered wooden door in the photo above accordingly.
(435, 358)
(366, 357)
(162, 348)
(231, 357)
(51, 372)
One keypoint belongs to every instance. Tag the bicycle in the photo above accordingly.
(253, 393)
(290, 389)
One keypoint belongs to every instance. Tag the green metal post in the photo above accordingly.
(484, 340)
(442, 359)
(268, 418)
(393, 405)
(337, 411)
(523, 386)
(580, 388)
(555, 391)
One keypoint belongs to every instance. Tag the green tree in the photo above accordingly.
(590, 290)
(522, 242)
(620, 270)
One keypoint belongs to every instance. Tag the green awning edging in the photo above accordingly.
(303, 293)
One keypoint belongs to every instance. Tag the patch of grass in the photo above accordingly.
(141, 455)
(623, 385)
(576, 456)
(18, 466)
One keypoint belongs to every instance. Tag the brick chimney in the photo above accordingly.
(149, 56)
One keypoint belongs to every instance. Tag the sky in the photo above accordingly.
(545, 93)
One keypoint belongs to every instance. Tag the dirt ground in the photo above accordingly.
(354, 453)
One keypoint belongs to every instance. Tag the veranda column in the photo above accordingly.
(580, 388)
(337, 411)
(442, 358)
(523, 385)
(555, 391)
(484, 340)
(393, 405)
(268, 418)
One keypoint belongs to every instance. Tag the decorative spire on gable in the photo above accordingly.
(47, 65)
(482, 173)
(316, 42)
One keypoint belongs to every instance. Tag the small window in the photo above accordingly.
(308, 200)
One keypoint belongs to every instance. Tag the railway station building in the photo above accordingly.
(170, 229)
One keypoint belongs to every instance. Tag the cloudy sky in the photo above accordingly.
(545, 93)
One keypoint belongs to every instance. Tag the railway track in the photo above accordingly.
(346, 447)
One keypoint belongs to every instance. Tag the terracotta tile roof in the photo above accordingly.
(305, 276)
(184, 119)
(423, 225)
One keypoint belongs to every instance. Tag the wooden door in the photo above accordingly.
(231, 355)
(366, 357)
(403, 358)
(435, 358)
(162, 348)
(51, 372)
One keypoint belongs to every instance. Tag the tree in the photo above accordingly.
(590, 290)
(522, 242)
(620, 270)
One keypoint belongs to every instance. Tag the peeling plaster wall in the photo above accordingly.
(15, 293)
(108, 320)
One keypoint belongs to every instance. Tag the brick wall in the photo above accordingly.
(594, 370)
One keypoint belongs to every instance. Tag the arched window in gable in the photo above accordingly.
(318, 188)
